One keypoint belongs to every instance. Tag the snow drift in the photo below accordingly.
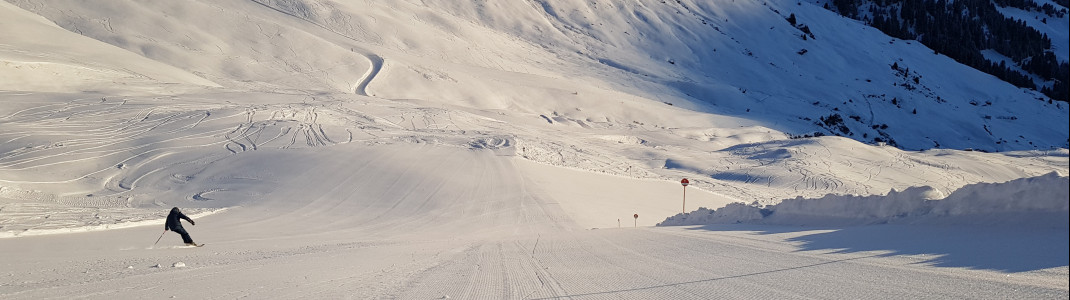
(1040, 201)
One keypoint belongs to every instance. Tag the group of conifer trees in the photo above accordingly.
(961, 29)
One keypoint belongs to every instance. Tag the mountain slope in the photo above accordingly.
(1027, 50)
(740, 59)
(710, 91)
(68, 62)
(472, 149)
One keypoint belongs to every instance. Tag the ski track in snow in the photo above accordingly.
(376, 66)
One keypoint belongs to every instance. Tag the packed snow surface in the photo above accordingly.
(512, 149)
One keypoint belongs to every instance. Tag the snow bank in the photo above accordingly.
(1036, 201)
(731, 213)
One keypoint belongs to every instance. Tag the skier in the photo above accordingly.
(175, 224)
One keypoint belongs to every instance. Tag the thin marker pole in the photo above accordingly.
(683, 208)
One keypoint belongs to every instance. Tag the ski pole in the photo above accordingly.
(158, 239)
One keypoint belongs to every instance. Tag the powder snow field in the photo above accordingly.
(499, 150)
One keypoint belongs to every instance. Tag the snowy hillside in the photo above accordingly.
(740, 59)
(68, 62)
(1052, 26)
(473, 149)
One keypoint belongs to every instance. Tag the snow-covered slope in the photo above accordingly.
(706, 90)
(740, 59)
(650, 89)
(427, 149)
(1054, 27)
(37, 55)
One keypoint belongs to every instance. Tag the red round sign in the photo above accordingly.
(636, 216)
(684, 182)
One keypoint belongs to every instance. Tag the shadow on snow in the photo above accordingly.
(983, 248)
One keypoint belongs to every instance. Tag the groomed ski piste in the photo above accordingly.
(478, 150)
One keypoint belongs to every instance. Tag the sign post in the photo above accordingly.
(636, 224)
(684, 183)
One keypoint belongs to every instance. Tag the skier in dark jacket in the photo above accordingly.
(175, 224)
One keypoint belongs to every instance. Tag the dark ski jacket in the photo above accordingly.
(173, 220)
